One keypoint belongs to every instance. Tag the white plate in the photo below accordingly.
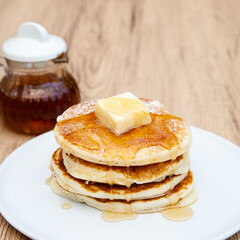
(29, 205)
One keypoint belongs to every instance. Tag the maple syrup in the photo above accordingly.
(113, 217)
(87, 132)
(48, 180)
(180, 214)
(66, 206)
(31, 99)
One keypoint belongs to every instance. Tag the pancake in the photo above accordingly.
(79, 132)
(127, 176)
(182, 195)
(106, 191)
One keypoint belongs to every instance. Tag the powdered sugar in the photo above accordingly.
(178, 128)
(154, 106)
(78, 109)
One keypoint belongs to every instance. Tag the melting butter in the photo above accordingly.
(122, 113)
(117, 217)
(178, 214)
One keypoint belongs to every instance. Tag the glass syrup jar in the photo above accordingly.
(36, 87)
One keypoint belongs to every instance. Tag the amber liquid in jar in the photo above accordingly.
(30, 103)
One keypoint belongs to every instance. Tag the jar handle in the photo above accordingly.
(3, 64)
(61, 58)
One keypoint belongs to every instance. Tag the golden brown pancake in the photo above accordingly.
(90, 171)
(79, 132)
(102, 190)
(182, 195)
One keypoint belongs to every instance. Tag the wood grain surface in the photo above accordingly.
(186, 54)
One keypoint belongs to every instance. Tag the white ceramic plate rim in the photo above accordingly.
(4, 211)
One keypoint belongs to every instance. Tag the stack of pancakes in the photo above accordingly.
(143, 170)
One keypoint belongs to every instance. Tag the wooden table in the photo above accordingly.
(186, 54)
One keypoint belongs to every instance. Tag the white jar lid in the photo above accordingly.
(33, 44)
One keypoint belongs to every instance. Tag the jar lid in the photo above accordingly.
(33, 44)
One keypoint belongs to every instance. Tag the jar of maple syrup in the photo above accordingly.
(36, 87)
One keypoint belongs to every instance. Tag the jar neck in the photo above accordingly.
(33, 67)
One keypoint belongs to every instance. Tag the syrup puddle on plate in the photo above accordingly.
(66, 206)
(48, 180)
(117, 217)
(178, 214)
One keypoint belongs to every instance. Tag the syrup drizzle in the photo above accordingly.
(113, 217)
(48, 180)
(178, 214)
(66, 206)
(94, 137)
(129, 191)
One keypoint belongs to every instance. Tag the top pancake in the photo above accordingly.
(79, 132)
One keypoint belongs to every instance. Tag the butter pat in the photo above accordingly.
(122, 113)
